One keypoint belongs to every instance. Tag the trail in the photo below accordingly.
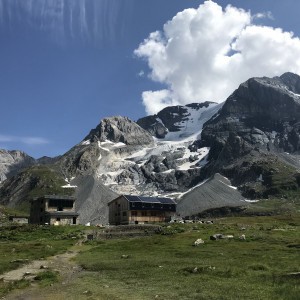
(61, 263)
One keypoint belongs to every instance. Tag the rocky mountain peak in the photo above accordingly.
(11, 161)
(171, 118)
(120, 129)
(292, 81)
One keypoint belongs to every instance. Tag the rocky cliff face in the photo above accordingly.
(13, 161)
(170, 119)
(256, 135)
(119, 130)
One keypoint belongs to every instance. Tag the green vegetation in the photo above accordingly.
(6, 287)
(20, 244)
(279, 179)
(33, 182)
(45, 181)
(167, 265)
(47, 277)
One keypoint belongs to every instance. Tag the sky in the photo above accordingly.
(66, 64)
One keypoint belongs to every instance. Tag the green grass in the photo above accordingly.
(47, 277)
(28, 242)
(46, 180)
(169, 267)
(20, 244)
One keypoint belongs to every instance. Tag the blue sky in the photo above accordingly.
(66, 64)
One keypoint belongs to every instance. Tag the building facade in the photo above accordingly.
(53, 210)
(127, 209)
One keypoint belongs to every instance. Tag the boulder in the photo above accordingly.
(198, 242)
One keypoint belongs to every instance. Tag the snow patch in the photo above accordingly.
(68, 186)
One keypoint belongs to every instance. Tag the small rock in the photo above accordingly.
(198, 242)
(228, 236)
(216, 236)
(242, 237)
(87, 292)
(124, 256)
(195, 270)
(43, 267)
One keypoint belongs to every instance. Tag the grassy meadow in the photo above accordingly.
(167, 266)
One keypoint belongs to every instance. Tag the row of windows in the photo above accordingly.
(135, 213)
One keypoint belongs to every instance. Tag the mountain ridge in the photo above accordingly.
(253, 139)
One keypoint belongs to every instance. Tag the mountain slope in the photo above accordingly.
(34, 181)
(13, 161)
(255, 138)
(216, 192)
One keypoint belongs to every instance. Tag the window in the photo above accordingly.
(134, 213)
(58, 219)
(124, 214)
(153, 213)
(144, 213)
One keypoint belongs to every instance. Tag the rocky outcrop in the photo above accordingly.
(169, 119)
(13, 161)
(120, 129)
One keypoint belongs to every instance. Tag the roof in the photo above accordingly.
(59, 197)
(160, 200)
(62, 213)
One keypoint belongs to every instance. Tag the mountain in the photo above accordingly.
(37, 180)
(255, 138)
(12, 161)
(245, 148)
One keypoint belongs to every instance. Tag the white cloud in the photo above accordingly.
(34, 141)
(89, 20)
(204, 54)
(264, 15)
(155, 101)
(28, 140)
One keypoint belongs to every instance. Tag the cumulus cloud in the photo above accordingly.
(205, 53)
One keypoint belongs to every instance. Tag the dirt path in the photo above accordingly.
(62, 263)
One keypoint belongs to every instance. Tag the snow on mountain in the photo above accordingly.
(125, 169)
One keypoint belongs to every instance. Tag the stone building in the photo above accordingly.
(53, 210)
(127, 209)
